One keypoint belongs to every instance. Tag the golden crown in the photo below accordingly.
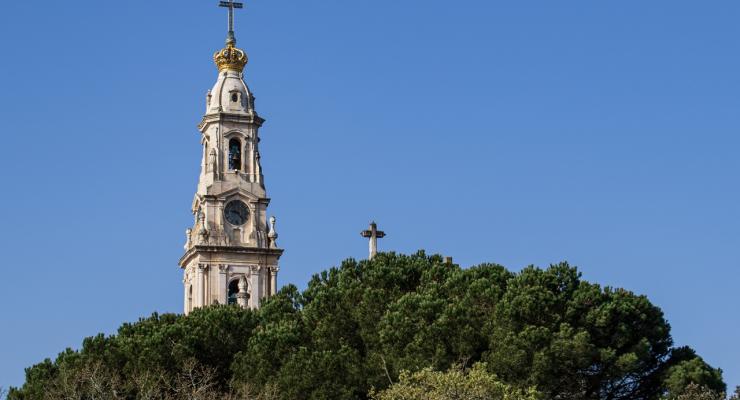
(231, 58)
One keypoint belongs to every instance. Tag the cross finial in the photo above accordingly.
(373, 234)
(231, 39)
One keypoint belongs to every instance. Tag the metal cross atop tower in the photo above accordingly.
(374, 234)
(231, 6)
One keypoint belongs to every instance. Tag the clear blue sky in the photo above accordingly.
(604, 133)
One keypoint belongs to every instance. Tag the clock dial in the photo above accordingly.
(236, 212)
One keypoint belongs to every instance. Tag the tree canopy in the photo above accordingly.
(456, 384)
(366, 326)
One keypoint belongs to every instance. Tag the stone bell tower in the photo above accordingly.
(231, 255)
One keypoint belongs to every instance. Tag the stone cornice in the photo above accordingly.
(231, 117)
(200, 248)
(236, 190)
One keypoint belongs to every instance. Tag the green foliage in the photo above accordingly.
(576, 340)
(455, 384)
(696, 392)
(357, 326)
(159, 349)
(689, 370)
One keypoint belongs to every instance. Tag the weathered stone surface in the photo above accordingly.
(231, 245)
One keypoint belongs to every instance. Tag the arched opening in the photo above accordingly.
(233, 291)
(235, 155)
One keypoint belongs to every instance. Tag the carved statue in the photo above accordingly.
(188, 238)
(203, 230)
(242, 296)
(212, 161)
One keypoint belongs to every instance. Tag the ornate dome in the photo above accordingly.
(230, 94)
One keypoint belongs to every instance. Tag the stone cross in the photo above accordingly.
(231, 6)
(374, 234)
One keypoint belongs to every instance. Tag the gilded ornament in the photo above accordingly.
(230, 58)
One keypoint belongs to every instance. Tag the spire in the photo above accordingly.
(230, 37)
(231, 57)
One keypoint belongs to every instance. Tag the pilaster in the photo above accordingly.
(223, 279)
(256, 295)
(198, 298)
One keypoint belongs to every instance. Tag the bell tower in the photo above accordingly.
(231, 254)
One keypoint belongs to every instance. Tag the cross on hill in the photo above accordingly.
(373, 234)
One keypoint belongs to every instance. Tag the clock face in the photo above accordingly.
(236, 212)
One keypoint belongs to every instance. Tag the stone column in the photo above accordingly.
(207, 286)
(251, 141)
(254, 296)
(203, 289)
(186, 291)
(222, 283)
(198, 298)
(273, 280)
(216, 144)
(248, 159)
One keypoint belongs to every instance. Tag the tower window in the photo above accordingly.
(234, 97)
(235, 155)
(233, 291)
